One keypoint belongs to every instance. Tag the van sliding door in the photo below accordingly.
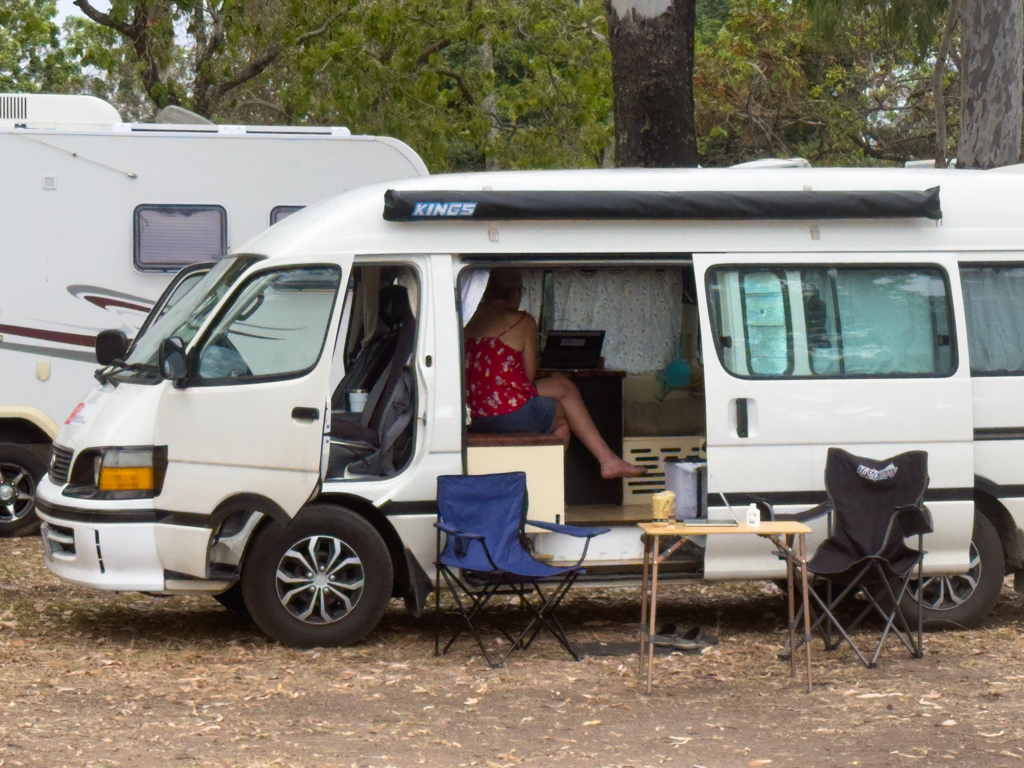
(807, 351)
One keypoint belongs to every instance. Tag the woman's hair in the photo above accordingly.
(503, 285)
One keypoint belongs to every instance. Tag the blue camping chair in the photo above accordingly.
(482, 517)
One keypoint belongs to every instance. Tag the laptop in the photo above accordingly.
(572, 350)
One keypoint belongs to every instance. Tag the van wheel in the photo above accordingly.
(963, 600)
(20, 470)
(322, 580)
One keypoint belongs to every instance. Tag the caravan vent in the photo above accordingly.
(13, 108)
(48, 109)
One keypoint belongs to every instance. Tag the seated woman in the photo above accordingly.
(501, 364)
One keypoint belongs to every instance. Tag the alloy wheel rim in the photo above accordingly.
(319, 580)
(17, 492)
(944, 593)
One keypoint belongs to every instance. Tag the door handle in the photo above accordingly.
(742, 419)
(306, 414)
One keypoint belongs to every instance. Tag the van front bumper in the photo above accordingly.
(125, 552)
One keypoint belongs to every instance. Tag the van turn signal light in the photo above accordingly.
(126, 479)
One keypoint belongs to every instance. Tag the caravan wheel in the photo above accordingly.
(322, 580)
(20, 470)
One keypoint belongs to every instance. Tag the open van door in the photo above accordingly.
(806, 351)
(246, 422)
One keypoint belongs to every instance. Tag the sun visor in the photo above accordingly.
(495, 205)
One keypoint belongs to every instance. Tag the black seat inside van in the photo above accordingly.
(378, 441)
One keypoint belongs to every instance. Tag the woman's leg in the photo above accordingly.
(564, 392)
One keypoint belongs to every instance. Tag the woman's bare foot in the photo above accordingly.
(616, 467)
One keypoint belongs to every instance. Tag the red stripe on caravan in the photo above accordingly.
(77, 339)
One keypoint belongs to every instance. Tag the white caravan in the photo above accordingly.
(98, 214)
(876, 310)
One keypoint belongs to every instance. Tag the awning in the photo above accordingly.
(494, 205)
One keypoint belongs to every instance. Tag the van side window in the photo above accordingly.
(832, 322)
(274, 328)
(169, 237)
(994, 303)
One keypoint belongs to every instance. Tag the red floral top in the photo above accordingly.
(496, 376)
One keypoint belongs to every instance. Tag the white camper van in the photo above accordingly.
(876, 310)
(98, 214)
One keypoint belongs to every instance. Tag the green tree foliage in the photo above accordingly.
(230, 42)
(31, 58)
(499, 83)
(769, 83)
(506, 83)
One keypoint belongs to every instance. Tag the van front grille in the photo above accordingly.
(60, 464)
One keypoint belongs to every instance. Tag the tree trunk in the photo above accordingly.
(938, 94)
(652, 80)
(992, 46)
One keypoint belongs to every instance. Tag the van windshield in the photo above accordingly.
(186, 316)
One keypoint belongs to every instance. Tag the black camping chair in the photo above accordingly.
(483, 518)
(872, 507)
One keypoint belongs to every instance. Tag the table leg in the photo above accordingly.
(654, 608)
(643, 601)
(792, 608)
(807, 606)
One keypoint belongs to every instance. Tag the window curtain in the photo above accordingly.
(639, 309)
(994, 302)
(887, 318)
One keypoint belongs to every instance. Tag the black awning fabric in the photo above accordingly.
(493, 205)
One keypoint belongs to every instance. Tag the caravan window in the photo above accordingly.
(994, 303)
(282, 212)
(168, 237)
(832, 321)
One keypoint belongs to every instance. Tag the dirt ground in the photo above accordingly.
(96, 679)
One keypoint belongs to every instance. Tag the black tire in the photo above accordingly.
(291, 597)
(233, 600)
(958, 602)
(21, 469)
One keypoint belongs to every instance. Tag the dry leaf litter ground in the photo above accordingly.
(96, 679)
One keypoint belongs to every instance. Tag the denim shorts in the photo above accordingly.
(536, 416)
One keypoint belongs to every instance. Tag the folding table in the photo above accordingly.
(781, 534)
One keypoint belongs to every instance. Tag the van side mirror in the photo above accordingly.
(172, 359)
(110, 346)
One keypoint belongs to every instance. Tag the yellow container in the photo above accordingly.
(663, 505)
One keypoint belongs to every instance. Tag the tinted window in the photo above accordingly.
(832, 322)
(168, 237)
(282, 212)
(994, 301)
(274, 326)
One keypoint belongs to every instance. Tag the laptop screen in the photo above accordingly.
(572, 350)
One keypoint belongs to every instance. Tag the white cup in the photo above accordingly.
(357, 400)
(753, 516)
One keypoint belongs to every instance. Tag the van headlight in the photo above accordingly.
(133, 472)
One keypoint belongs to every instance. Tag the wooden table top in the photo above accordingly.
(679, 528)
